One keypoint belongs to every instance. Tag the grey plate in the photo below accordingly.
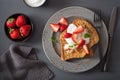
(52, 50)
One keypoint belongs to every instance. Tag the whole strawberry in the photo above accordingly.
(10, 23)
(20, 21)
(14, 34)
(25, 30)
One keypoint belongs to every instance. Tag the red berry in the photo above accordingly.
(67, 35)
(20, 21)
(63, 27)
(85, 47)
(10, 23)
(14, 34)
(78, 30)
(25, 30)
(54, 27)
(63, 21)
(76, 37)
(81, 43)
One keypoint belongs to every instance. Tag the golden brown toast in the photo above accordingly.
(80, 53)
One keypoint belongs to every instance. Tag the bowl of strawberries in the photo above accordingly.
(18, 27)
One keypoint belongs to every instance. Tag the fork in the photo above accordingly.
(97, 19)
(98, 25)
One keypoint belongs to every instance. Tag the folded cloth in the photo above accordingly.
(21, 63)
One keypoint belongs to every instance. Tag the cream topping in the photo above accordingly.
(71, 45)
(71, 28)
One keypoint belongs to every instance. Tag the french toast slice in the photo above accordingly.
(79, 52)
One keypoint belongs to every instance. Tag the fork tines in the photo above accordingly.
(98, 25)
(97, 18)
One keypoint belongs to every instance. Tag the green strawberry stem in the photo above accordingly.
(10, 20)
(10, 30)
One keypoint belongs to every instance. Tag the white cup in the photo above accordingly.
(35, 3)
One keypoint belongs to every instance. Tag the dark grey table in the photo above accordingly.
(39, 17)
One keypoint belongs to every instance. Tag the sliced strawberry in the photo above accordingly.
(67, 35)
(85, 47)
(63, 27)
(78, 30)
(76, 37)
(63, 21)
(81, 43)
(55, 27)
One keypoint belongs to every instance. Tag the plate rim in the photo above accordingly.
(52, 34)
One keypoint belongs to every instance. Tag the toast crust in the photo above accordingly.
(79, 53)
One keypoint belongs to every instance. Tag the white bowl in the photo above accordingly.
(34, 3)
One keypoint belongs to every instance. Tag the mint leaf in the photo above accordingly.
(53, 39)
(71, 46)
(75, 44)
(86, 35)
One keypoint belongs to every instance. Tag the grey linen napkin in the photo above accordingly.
(21, 63)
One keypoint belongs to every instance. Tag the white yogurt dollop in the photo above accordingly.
(35, 3)
(71, 28)
(69, 48)
(69, 41)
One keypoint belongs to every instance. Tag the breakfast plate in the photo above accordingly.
(52, 50)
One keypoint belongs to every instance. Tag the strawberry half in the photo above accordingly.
(81, 43)
(78, 30)
(54, 27)
(21, 20)
(10, 23)
(25, 30)
(14, 34)
(63, 27)
(67, 35)
(76, 37)
(85, 47)
(63, 21)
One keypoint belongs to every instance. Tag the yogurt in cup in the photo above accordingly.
(35, 3)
